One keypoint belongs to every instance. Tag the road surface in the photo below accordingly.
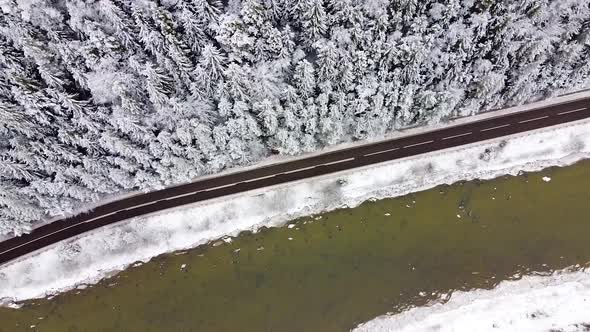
(329, 162)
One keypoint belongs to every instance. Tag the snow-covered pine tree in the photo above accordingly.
(99, 97)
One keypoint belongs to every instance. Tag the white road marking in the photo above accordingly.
(150, 203)
(260, 178)
(209, 189)
(422, 143)
(133, 207)
(90, 220)
(535, 119)
(187, 194)
(145, 204)
(492, 128)
(337, 162)
(572, 111)
(297, 170)
(465, 134)
(380, 152)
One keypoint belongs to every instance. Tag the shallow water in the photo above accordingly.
(334, 271)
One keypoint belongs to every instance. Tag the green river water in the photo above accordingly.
(334, 271)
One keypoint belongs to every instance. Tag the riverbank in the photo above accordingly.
(555, 302)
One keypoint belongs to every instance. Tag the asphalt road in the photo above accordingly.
(329, 162)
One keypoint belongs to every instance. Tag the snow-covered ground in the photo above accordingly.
(559, 302)
(91, 256)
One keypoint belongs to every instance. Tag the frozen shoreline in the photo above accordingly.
(558, 302)
(94, 255)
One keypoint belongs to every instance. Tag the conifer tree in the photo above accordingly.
(109, 96)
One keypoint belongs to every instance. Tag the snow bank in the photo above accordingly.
(94, 255)
(559, 302)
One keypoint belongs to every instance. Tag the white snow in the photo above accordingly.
(546, 179)
(558, 302)
(103, 252)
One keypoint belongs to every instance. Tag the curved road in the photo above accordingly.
(291, 171)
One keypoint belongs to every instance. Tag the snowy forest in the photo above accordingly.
(112, 96)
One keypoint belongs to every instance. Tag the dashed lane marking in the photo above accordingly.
(465, 134)
(421, 143)
(187, 194)
(297, 170)
(380, 152)
(260, 178)
(535, 119)
(227, 185)
(496, 127)
(150, 203)
(572, 111)
(93, 219)
(337, 162)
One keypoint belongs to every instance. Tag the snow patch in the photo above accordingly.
(103, 252)
(556, 302)
(546, 179)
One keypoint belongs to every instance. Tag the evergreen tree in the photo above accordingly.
(109, 96)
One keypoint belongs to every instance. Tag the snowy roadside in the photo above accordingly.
(558, 302)
(276, 159)
(94, 255)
